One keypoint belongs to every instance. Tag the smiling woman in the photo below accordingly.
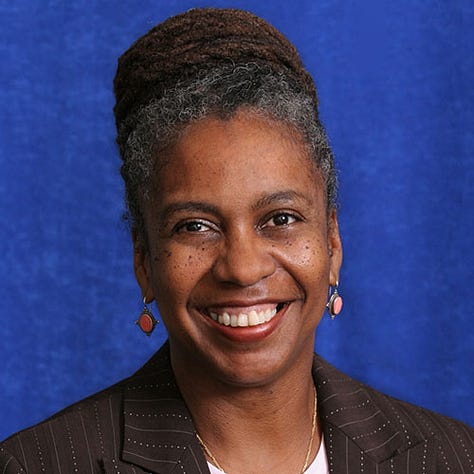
(231, 190)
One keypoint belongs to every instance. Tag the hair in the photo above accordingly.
(203, 63)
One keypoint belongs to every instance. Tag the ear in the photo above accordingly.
(334, 247)
(141, 266)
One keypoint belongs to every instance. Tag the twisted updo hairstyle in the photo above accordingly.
(209, 62)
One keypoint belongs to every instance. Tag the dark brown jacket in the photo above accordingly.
(142, 425)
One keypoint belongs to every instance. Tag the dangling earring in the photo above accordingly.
(334, 304)
(146, 321)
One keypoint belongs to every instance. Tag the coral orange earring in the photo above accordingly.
(334, 304)
(146, 321)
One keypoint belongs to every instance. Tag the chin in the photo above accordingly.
(250, 368)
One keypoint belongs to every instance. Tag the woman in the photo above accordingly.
(231, 189)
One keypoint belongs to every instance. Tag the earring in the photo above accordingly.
(334, 304)
(146, 321)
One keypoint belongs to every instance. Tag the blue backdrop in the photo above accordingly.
(395, 85)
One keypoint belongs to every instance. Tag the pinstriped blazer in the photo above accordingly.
(141, 425)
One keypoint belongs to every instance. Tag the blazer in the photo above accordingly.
(142, 425)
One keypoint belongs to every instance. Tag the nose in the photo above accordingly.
(244, 260)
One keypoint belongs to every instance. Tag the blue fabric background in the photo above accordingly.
(395, 85)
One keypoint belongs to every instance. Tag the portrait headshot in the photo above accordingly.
(236, 237)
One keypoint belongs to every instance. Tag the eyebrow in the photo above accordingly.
(188, 206)
(280, 197)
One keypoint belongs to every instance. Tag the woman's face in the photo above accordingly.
(240, 250)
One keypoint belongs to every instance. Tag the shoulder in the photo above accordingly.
(63, 439)
(452, 441)
(412, 417)
(384, 427)
(83, 436)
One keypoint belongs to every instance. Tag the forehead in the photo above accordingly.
(244, 154)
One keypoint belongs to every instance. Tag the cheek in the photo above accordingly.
(307, 259)
(308, 252)
(176, 272)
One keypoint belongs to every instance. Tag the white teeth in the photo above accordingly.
(270, 313)
(253, 318)
(243, 320)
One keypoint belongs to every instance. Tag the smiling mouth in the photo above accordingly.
(245, 317)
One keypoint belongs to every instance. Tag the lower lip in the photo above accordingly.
(249, 333)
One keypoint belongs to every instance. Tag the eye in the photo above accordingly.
(192, 226)
(281, 219)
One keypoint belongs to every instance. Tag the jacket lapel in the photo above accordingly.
(359, 436)
(159, 435)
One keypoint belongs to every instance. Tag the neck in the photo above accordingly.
(265, 428)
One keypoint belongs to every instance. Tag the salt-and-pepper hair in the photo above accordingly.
(203, 63)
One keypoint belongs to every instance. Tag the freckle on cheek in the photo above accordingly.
(164, 253)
